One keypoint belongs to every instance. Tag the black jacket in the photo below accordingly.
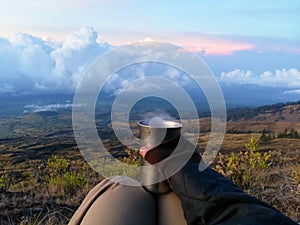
(208, 198)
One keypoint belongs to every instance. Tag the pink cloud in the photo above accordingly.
(210, 45)
(217, 48)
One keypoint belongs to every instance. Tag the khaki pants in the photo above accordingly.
(111, 203)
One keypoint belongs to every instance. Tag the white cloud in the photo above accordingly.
(237, 75)
(51, 107)
(30, 64)
(177, 76)
(122, 79)
(6, 88)
(296, 91)
(289, 78)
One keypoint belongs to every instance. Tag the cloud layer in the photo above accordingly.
(51, 107)
(289, 78)
(30, 64)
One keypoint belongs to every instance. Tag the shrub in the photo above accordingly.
(239, 167)
(296, 175)
(4, 182)
(126, 166)
(59, 177)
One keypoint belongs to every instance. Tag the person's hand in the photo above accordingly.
(165, 149)
(144, 150)
(160, 152)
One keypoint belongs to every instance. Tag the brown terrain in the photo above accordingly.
(29, 140)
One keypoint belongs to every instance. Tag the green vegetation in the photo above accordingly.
(55, 187)
(43, 177)
(289, 134)
(240, 167)
(273, 176)
(59, 175)
(248, 113)
(118, 167)
(266, 136)
(296, 176)
(44, 191)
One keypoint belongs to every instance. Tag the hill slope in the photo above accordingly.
(272, 118)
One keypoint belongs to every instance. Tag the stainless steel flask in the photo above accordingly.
(153, 132)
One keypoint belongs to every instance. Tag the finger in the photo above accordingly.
(143, 151)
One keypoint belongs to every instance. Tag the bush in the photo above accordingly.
(4, 182)
(60, 177)
(296, 175)
(127, 166)
(239, 167)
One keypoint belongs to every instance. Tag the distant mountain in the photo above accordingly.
(289, 112)
(236, 97)
(276, 118)
(241, 95)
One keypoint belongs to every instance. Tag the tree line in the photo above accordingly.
(248, 113)
(268, 136)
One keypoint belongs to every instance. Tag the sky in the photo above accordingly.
(47, 45)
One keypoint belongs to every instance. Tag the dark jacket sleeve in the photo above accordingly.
(209, 198)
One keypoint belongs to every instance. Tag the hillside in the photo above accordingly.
(44, 133)
(272, 118)
(280, 111)
(28, 142)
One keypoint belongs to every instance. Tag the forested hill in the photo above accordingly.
(289, 111)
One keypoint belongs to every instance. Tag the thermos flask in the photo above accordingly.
(153, 132)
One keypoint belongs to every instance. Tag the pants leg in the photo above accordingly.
(170, 211)
(111, 203)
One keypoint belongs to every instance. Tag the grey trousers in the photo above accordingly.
(111, 203)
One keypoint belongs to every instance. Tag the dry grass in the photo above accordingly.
(27, 200)
(280, 189)
(32, 196)
(21, 203)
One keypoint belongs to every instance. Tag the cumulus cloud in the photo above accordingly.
(123, 78)
(289, 78)
(30, 64)
(236, 75)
